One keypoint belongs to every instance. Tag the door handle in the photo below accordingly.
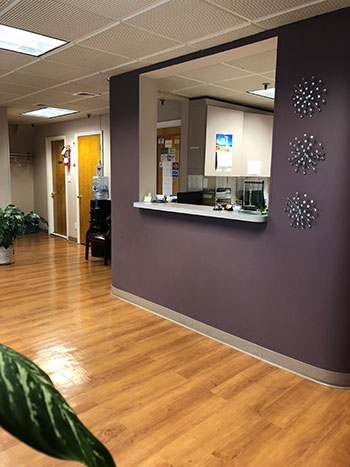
(79, 196)
(53, 194)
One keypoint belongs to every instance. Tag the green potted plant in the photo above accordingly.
(32, 221)
(13, 222)
(33, 411)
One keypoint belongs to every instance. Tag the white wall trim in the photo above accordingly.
(332, 379)
(76, 136)
(51, 227)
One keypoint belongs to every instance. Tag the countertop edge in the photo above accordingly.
(194, 211)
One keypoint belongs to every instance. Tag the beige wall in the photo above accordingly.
(22, 187)
(21, 151)
(147, 136)
(5, 179)
(69, 129)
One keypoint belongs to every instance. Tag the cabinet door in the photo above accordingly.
(227, 122)
(257, 145)
(196, 138)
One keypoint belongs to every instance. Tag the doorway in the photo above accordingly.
(168, 154)
(58, 193)
(57, 188)
(89, 153)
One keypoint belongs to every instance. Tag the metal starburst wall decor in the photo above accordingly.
(306, 152)
(301, 211)
(308, 97)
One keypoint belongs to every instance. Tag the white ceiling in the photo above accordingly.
(229, 78)
(109, 37)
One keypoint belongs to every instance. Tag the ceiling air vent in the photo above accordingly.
(86, 94)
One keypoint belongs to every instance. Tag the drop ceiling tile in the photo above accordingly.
(55, 70)
(25, 79)
(98, 81)
(253, 101)
(228, 36)
(17, 89)
(271, 74)
(128, 41)
(6, 96)
(101, 80)
(252, 9)
(133, 65)
(163, 56)
(214, 73)
(12, 60)
(176, 82)
(185, 20)
(258, 63)
(92, 60)
(250, 83)
(49, 98)
(206, 90)
(25, 102)
(18, 110)
(54, 19)
(90, 103)
(303, 13)
(114, 9)
(78, 86)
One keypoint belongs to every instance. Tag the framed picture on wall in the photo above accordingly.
(223, 160)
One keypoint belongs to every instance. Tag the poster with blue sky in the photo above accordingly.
(223, 152)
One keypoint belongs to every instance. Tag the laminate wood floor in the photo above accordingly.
(157, 394)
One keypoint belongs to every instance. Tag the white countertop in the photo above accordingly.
(200, 210)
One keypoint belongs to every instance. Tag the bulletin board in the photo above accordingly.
(168, 160)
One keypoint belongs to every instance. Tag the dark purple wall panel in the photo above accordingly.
(284, 289)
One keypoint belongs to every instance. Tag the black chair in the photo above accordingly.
(99, 233)
(102, 239)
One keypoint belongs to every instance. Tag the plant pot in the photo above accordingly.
(7, 255)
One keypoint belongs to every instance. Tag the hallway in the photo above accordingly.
(157, 394)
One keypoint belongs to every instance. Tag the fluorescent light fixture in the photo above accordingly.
(25, 42)
(50, 112)
(269, 92)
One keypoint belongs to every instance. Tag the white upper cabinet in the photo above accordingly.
(221, 121)
(249, 146)
(257, 145)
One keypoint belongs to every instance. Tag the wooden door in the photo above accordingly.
(168, 150)
(89, 153)
(58, 188)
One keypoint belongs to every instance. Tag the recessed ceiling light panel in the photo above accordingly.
(25, 42)
(50, 112)
(269, 93)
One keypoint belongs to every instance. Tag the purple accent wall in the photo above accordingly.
(273, 285)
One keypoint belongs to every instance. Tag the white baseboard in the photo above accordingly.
(318, 375)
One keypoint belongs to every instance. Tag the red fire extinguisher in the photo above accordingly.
(66, 155)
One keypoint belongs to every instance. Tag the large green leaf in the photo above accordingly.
(35, 412)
